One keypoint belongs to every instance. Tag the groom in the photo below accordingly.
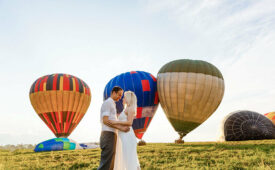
(108, 133)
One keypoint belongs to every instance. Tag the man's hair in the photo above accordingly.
(116, 89)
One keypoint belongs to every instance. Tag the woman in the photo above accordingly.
(126, 148)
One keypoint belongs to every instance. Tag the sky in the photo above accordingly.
(97, 40)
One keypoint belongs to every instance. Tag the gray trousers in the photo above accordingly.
(108, 149)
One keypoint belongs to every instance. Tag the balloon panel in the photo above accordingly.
(191, 66)
(183, 127)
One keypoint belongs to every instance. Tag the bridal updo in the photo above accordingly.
(131, 99)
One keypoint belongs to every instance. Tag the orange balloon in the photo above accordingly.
(61, 101)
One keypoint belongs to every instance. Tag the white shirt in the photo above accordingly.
(108, 108)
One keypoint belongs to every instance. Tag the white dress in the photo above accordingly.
(126, 149)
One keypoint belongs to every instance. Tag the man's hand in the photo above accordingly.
(109, 123)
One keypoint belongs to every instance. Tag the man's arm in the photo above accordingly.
(129, 121)
(116, 126)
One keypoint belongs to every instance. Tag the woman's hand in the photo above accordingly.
(124, 128)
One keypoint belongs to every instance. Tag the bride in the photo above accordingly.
(126, 147)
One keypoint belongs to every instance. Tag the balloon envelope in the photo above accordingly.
(189, 92)
(61, 101)
(144, 85)
(247, 125)
(271, 116)
(57, 144)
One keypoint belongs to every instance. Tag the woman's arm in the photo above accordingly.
(129, 121)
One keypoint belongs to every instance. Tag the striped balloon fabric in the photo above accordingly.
(61, 101)
(144, 85)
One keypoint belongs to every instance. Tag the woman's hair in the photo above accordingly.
(131, 99)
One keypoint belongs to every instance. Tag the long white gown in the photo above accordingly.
(126, 149)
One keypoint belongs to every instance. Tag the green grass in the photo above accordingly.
(200, 155)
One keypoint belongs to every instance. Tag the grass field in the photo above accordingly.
(201, 155)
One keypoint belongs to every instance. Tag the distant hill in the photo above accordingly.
(19, 146)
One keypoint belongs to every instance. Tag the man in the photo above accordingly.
(108, 134)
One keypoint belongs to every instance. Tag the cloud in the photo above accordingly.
(227, 28)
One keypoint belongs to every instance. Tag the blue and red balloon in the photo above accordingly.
(144, 85)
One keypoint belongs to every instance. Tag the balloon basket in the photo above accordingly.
(141, 143)
(179, 141)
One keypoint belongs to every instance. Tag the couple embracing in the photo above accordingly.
(117, 141)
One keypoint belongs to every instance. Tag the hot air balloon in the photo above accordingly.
(144, 85)
(189, 92)
(60, 144)
(57, 144)
(61, 101)
(247, 125)
(271, 116)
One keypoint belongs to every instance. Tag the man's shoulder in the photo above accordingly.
(107, 100)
